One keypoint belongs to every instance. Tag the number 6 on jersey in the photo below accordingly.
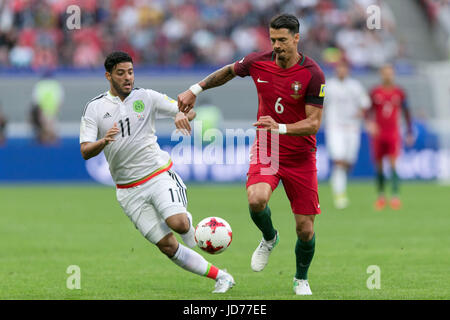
(279, 108)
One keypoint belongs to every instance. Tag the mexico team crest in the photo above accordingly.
(138, 106)
(296, 87)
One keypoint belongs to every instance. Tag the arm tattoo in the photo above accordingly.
(218, 78)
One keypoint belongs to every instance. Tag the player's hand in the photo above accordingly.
(409, 140)
(182, 124)
(109, 136)
(186, 101)
(372, 128)
(266, 123)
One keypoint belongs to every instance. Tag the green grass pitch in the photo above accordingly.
(45, 229)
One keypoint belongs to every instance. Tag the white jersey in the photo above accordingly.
(344, 101)
(135, 154)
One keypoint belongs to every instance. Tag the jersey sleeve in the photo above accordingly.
(242, 67)
(165, 107)
(315, 92)
(88, 126)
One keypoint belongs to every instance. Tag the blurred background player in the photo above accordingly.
(345, 101)
(47, 98)
(383, 124)
(290, 88)
(121, 123)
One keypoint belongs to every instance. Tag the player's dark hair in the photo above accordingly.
(286, 21)
(116, 57)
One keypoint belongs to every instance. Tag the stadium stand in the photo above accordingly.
(438, 12)
(34, 34)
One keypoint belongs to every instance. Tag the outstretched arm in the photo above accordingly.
(91, 149)
(182, 122)
(218, 77)
(186, 100)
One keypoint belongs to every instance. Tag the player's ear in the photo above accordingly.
(108, 76)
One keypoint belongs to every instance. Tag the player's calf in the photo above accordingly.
(168, 245)
(193, 262)
(182, 224)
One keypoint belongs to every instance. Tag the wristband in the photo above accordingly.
(282, 129)
(196, 89)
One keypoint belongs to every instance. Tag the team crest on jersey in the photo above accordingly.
(296, 86)
(138, 106)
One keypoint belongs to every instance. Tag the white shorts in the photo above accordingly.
(149, 205)
(343, 143)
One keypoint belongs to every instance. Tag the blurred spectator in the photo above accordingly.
(48, 95)
(34, 34)
(439, 14)
(3, 123)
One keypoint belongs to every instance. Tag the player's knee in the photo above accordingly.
(305, 232)
(179, 223)
(305, 235)
(256, 202)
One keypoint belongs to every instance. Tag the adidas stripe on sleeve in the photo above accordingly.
(88, 127)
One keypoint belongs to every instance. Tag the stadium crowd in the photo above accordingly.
(34, 33)
(439, 14)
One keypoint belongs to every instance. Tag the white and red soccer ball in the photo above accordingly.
(213, 235)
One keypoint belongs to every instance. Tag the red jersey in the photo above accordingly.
(283, 95)
(387, 104)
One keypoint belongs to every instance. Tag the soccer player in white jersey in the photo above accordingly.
(345, 101)
(121, 123)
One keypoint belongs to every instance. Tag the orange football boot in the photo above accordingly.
(380, 203)
(395, 203)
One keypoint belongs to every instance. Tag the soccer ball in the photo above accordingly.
(213, 235)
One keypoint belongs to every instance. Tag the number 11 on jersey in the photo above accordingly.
(127, 120)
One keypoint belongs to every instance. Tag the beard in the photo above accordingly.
(283, 55)
(119, 89)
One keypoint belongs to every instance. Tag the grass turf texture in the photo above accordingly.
(44, 229)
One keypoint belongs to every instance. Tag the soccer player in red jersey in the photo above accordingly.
(388, 102)
(290, 89)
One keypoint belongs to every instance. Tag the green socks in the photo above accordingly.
(380, 182)
(264, 223)
(304, 252)
(395, 183)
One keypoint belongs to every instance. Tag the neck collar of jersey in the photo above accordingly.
(115, 98)
(300, 61)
